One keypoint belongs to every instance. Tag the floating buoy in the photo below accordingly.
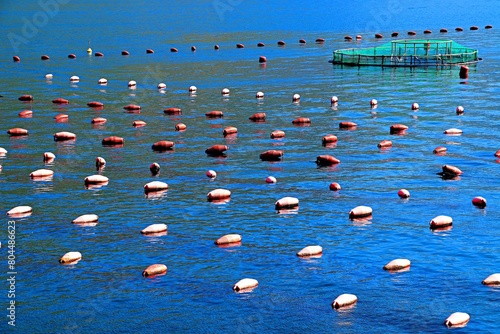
(497, 154)
(395, 34)
(70, 257)
(193, 48)
(403, 193)
(229, 130)
(464, 72)
(440, 222)
(310, 251)
(440, 150)
(99, 54)
(163, 145)
(225, 92)
(192, 89)
(138, 123)
(444, 30)
(326, 160)
(25, 98)
(102, 81)
(174, 50)
(281, 43)
(259, 95)
(301, 121)
(16, 59)
(398, 129)
(60, 101)
(344, 300)
(415, 106)
(479, 201)
(334, 186)
(347, 125)
(328, 139)
(276, 134)
(358, 37)
(3, 152)
(218, 194)
(296, 98)
(489, 26)
(154, 269)
(460, 110)
(271, 179)
(173, 111)
(96, 179)
(149, 51)
(397, 264)
(258, 117)
(379, 36)
(239, 46)
(493, 279)
(211, 174)
(427, 32)
(271, 155)
(154, 229)
(228, 239)
(453, 131)
(61, 118)
(41, 173)
(457, 319)
(373, 102)
(320, 40)
(132, 83)
(132, 107)
(216, 150)
(216, 47)
(180, 127)
(260, 44)
(89, 51)
(125, 53)
(72, 56)
(262, 59)
(154, 168)
(384, 144)
(459, 29)
(20, 211)
(16, 132)
(48, 76)
(99, 120)
(161, 85)
(95, 104)
(26, 114)
(245, 284)
(155, 186)
(214, 114)
(74, 78)
(45, 57)
(474, 28)
(86, 219)
(113, 141)
(411, 33)
(48, 157)
(302, 41)
(360, 212)
(100, 162)
(451, 170)
(348, 38)
(334, 100)
(286, 203)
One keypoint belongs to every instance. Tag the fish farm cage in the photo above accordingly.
(408, 53)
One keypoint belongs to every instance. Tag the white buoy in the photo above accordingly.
(344, 300)
(373, 102)
(161, 85)
(86, 219)
(3, 152)
(102, 81)
(225, 92)
(295, 98)
(48, 76)
(228, 239)
(211, 174)
(245, 284)
(70, 257)
(132, 83)
(193, 89)
(155, 228)
(310, 251)
(271, 179)
(20, 211)
(457, 319)
(74, 78)
(259, 95)
(334, 100)
(493, 279)
(397, 264)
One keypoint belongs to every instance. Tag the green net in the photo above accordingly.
(415, 52)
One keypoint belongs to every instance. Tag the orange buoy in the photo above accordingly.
(440, 150)
(154, 270)
(228, 239)
(154, 168)
(479, 201)
(347, 125)
(493, 279)
(464, 72)
(155, 229)
(16, 59)
(258, 117)
(444, 30)
(260, 44)
(320, 40)
(155, 186)
(214, 114)
(403, 193)
(411, 33)
(245, 285)
(229, 130)
(15, 132)
(163, 145)
(132, 107)
(173, 111)
(64, 135)
(301, 121)
(99, 120)
(398, 129)
(474, 28)
(384, 144)
(42, 173)
(334, 186)
(20, 211)
(328, 139)
(360, 212)
(113, 140)
(99, 54)
(344, 300)
(61, 118)
(48, 157)
(271, 155)
(271, 179)
(348, 38)
(326, 160)
(276, 134)
(70, 258)
(25, 98)
(440, 222)
(149, 51)
(281, 43)
(452, 131)
(180, 127)
(218, 194)
(86, 219)
(240, 46)
(379, 36)
(95, 104)
(457, 319)
(262, 59)
(211, 174)
(72, 56)
(138, 123)
(100, 162)
(60, 101)
(497, 154)
(310, 251)
(26, 114)
(216, 150)
(286, 203)
(96, 179)
(397, 264)
(302, 41)
(451, 170)
(125, 53)
(45, 57)
(427, 32)
(395, 34)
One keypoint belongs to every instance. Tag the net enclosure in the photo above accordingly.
(408, 53)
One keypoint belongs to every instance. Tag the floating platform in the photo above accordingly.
(409, 53)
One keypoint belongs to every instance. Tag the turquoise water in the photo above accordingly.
(105, 291)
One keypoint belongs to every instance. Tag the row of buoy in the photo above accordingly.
(426, 32)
